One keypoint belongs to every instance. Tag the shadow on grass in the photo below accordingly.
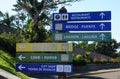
(42, 75)
(87, 77)
(1, 77)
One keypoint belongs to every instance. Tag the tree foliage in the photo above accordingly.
(107, 48)
(78, 59)
(86, 46)
(38, 11)
(29, 23)
(6, 19)
(8, 42)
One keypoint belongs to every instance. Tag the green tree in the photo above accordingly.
(8, 42)
(86, 46)
(38, 11)
(6, 19)
(82, 45)
(91, 47)
(7, 23)
(78, 59)
(107, 48)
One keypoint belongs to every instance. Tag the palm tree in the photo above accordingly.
(6, 19)
(34, 10)
(39, 11)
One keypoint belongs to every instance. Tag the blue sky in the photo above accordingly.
(84, 6)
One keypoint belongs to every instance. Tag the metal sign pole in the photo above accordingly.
(64, 75)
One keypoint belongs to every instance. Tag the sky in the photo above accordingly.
(84, 6)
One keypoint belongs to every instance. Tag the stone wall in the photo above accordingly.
(93, 67)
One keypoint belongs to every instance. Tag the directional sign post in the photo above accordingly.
(44, 47)
(88, 36)
(49, 68)
(82, 16)
(82, 26)
(43, 57)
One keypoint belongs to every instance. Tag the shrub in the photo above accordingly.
(115, 60)
(79, 60)
(8, 42)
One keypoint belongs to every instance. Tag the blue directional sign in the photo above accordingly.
(48, 68)
(82, 16)
(82, 26)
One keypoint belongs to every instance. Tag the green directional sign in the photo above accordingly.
(86, 36)
(43, 57)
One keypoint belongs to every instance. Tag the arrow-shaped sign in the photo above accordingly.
(21, 67)
(102, 25)
(21, 46)
(21, 57)
(102, 36)
(102, 15)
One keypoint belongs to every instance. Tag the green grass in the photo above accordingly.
(8, 63)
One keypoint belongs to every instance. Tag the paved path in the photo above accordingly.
(95, 72)
(43, 76)
(76, 75)
(108, 75)
(6, 75)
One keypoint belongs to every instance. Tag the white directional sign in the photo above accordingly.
(20, 67)
(21, 57)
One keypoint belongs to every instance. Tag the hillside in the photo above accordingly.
(7, 63)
